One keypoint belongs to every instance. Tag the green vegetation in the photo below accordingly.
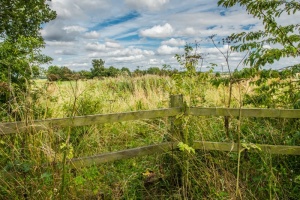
(34, 164)
(210, 175)
(20, 46)
(283, 42)
(56, 73)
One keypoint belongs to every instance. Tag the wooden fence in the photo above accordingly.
(176, 108)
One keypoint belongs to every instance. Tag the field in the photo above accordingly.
(33, 164)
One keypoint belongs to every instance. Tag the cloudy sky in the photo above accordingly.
(145, 33)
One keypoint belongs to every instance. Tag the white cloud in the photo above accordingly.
(167, 50)
(75, 10)
(213, 50)
(129, 58)
(131, 52)
(112, 45)
(148, 53)
(107, 46)
(70, 29)
(95, 47)
(151, 36)
(119, 55)
(92, 35)
(153, 61)
(147, 4)
(189, 31)
(77, 65)
(174, 42)
(158, 31)
(65, 52)
(60, 43)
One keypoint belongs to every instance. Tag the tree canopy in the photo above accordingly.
(23, 18)
(21, 41)
(283, 39)
(278, 39)
(20, 51)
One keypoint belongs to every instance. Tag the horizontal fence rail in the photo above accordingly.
(177, 108)
(168, 146)
(124, 154)
(14, 127)
(245, 112)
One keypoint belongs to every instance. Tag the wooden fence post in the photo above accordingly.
(176, 132)
(179, 163)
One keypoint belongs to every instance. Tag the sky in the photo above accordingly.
(144, 33)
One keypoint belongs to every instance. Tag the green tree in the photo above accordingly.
(21, 41)
(283, 41)
(126, 71)
(85, 74)
(98, 68)
(66, 73)
(55, 73)
(271, 88)
(112, 72)
(23, 18)
(166, 69)
(139, 71)
(274, 33)
(153, 70)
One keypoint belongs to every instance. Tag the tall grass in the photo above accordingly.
(33, 167)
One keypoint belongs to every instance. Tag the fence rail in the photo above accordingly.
(168, 146)
(177, 108)
(245, 112)
(14, 127)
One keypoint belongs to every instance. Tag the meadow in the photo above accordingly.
(33, 167)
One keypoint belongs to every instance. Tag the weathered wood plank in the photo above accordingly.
(13, 127)
(165, 147)
(125, 154)
(272, 149)
(245, 112)
(7, 128)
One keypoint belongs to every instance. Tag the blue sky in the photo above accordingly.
(131, 33)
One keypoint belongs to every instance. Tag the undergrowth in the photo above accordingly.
(33, 164)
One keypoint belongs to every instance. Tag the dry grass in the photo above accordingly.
(210, 175)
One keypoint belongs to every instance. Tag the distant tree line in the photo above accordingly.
(98, 70)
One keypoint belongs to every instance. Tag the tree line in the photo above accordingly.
(98, 70)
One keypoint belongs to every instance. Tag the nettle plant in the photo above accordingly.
(273, 88)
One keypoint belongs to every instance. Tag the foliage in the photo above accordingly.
(184, 147)
(274, 33)
(34, 164)
(84, 74)
(27, 164)
(55, 73)
(153, 70)
(276, 89)
(125, 71)
(23, 18)
(98, 68)
(20, 45)
(190, 82)
(283, 40)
